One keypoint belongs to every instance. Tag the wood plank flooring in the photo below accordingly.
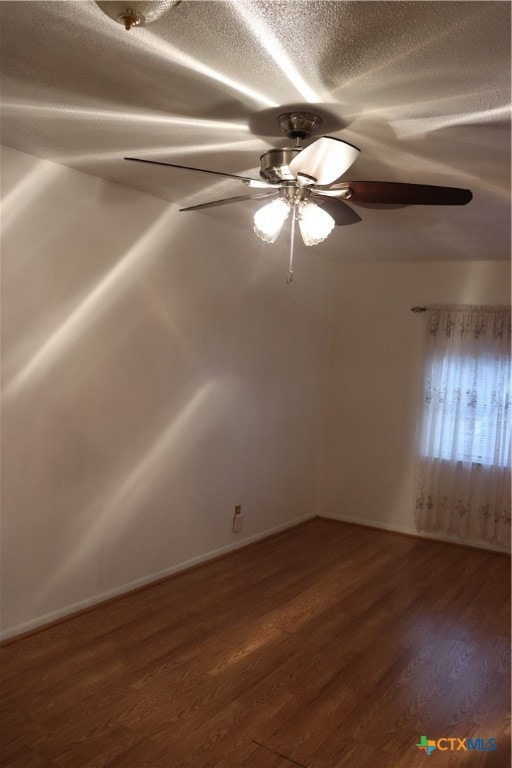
(327, 646)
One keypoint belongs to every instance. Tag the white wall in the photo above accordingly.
(374, 382)
(157, 371)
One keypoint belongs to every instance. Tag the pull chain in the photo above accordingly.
(298, 145)
(292, 239)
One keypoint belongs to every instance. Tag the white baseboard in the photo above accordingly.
(69, 610)
(413, 532)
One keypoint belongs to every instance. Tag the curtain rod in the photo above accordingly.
(483, 308)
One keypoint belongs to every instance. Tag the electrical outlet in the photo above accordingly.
(238, 519)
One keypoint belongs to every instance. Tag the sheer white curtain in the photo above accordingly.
(464, 476)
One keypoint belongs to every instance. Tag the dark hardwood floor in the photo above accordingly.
(329, 645)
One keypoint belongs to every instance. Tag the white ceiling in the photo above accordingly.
(423, 88)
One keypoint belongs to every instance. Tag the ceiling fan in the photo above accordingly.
(302, 179)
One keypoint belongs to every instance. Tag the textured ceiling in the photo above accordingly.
(423, 88)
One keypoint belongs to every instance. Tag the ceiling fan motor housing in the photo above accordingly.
(274, 165)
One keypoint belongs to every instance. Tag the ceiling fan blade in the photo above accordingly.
(342, 213)
(326, 159)
(246, 179)
(392, 193)
(237, 199)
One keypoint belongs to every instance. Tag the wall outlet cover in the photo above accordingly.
(238, 521)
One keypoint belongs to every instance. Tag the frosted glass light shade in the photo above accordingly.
(269, 220)
(315, 224)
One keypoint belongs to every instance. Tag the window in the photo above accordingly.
(469, 400)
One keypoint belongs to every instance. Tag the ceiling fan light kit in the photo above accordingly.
(135, 13)
(314, 223)
(302, 179)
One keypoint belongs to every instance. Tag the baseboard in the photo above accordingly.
(406, 531)
(68, 611)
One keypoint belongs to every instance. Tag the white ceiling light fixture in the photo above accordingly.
(136, 13)
(314, 223)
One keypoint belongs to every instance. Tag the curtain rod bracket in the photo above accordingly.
(418, 309)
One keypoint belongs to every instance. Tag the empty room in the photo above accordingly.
(256, 371)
